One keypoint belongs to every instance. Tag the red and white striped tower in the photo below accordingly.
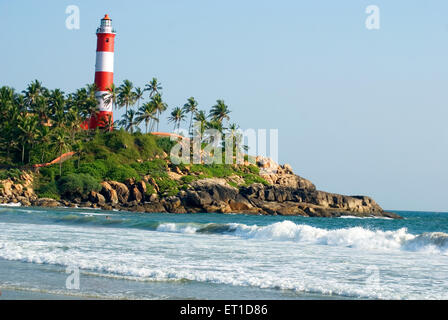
(104, 72)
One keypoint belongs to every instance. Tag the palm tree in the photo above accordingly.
(201, 120)
(29, 132)
(177, 116)
(33, 92)
(111, 96)
(60, 141)
(109, 124)
(220, 111)
(56, 104)
(126, 97)
(159, 106)
(129, 120)
(191, 107)
(44, 140)
(138, 92)
(153, 87)
(146, 113)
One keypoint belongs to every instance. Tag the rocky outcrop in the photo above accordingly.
(18, 190)
(284, 194)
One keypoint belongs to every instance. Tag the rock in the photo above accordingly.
(46, 202)
(106, 207)
(171, 203)
(121, 189)
(154, 207)
(196, 199)
(6, 190)
(24, 201)
(240, 204)
(178, 171)
(109, 193)
(236, 179)
(97, 198)
(152, 182)
(141, 185)
(174, 175)
(218, 189)
(135, 194)
(86, 204)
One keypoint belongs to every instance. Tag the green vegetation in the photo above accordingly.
(80, 184)
(39, 125)
(13, 174)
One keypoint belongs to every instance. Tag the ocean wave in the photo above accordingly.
(355, 237)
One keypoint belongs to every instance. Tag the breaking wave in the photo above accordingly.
(355, 237)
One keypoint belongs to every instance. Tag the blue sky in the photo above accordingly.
(358, 111)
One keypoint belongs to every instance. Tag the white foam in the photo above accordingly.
(11, 204)
(355, 237)
(282, 255)
(177, 228)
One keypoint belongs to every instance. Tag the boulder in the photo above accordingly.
(218, 189)
(109, 193)
(171, 203)
(121, 189)
(141, 185)
(154, 207)
(47, 202)
(135, 194)
(97, 198)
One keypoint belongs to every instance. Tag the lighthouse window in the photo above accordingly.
(107, 39)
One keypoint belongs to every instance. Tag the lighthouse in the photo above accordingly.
(104, 72)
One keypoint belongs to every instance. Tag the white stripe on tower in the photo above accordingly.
(104, 61)
(105, 106)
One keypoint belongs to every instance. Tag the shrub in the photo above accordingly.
(121, 173)
(166, 144)
(150, 189)
(253, 169)
(156, 167)
(189, 179)
(147, 145)
(13, 174)
(77, 185)
(96, 169)
(252, 178)
(48, 190)
(167, 186)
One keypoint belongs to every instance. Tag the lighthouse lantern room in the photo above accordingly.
(104, 73)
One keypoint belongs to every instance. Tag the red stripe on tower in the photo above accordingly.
(104, 72)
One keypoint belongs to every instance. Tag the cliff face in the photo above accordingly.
(285, 194)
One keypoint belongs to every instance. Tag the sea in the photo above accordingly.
(71, 253)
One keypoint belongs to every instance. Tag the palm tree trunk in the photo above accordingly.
(126, 119)
(23, 153)
(60, 162)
